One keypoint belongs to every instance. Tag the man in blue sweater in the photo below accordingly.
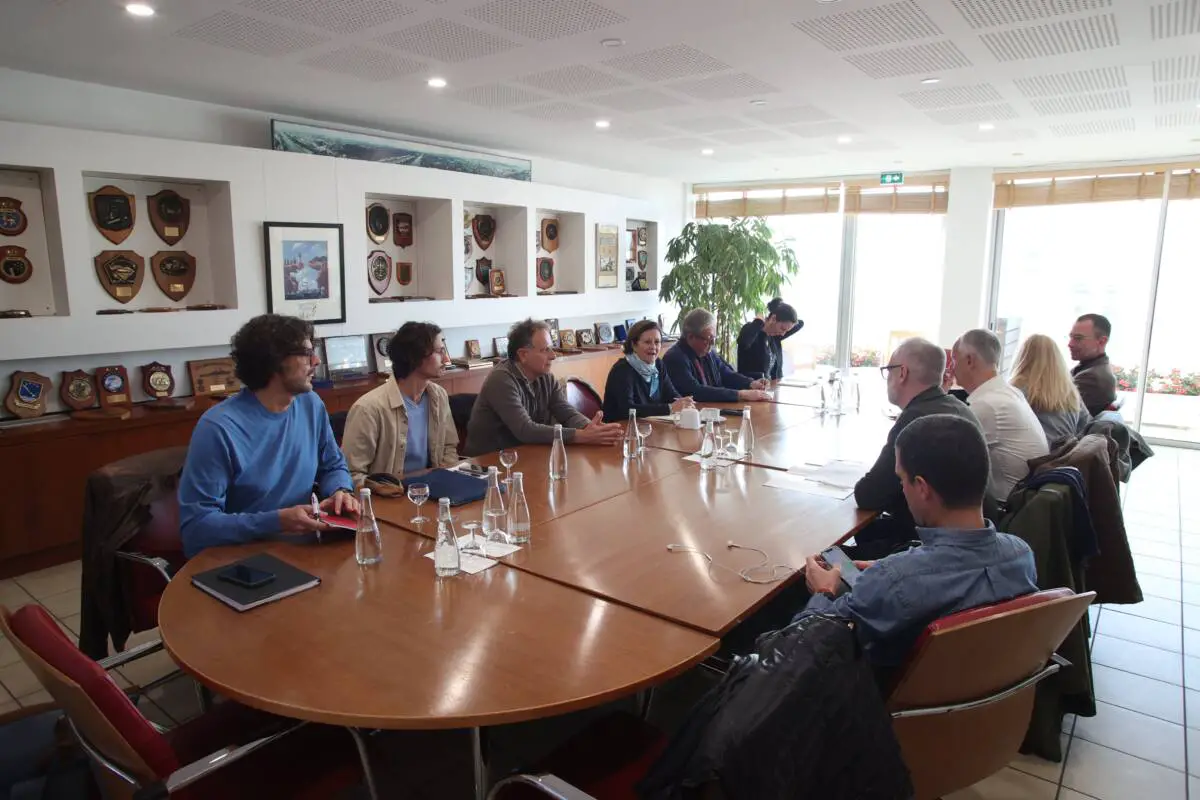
(254, 458)
(698, 372)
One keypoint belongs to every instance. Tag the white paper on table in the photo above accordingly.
(795, 483)
(800, 383)
(662, 418)
(459, 467)
(722, 461)
(470, 563)
(837, 473)
(493, 549)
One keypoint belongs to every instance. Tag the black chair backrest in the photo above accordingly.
(337, 421)
(461, 406)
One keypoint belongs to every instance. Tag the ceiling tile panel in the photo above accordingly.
(830, 129)
(637, 100)
(337, 16)
(790, 115)
(1095, 127)
(446, 40)
(558, 111)
(1166, 70)
(1082, 103)
(1178, 18)
(752, 136)
(544, 20)
(498, 96)
(890, 23)
(682, 144)
(953, 96)
(993, 13)
(1054, 38)
(641, 131)
(710, 124)
(574, 80)
(667, 63)
(1090, 80)
(1166, 94)
(724, 87)
(250, 35)
(1178, 119)
(960, 115)
(365, 63)
(916, 59)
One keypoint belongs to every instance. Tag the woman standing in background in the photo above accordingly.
(760, 342)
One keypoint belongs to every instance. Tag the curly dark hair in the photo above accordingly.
(260, 346)
(411, 345)
(520, 335)
(636, 331)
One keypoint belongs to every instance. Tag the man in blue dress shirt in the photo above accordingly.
(254, 458)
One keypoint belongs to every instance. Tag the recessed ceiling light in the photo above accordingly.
(987, 126)
(930, 81)
(758, 102)
(827, 2)
(612, 42)
(1018, 155)
(437, 83)
(602, 123)
(897, 163)
(842, 139)
(708, 151)
(140, 9)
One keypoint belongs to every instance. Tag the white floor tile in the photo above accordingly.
(8, 706)
(1140, 659)
(1156, 608)
(12, 596)
(1071, 794)
(8, 653)
(51, 581)
(19, 680)
(63, 605)
(1140, 694)
(1143, 631)
(1007, 784)
(177, 698)
(1136, 734)
(1040, 767)
(1107, 774)
(148, 668)
(1157, 567)
(35, 699)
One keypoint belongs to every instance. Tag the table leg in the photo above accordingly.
(368, 775)
(479, 760)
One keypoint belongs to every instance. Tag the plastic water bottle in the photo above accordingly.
(558, 456)
(494, 513)
(446, 561)
(368, 547)
(708, 448)
(518, 511)
(629, 445)
(746, 434)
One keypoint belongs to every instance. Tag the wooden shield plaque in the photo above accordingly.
(404, 271)
(643, 259)
(27, 397)
(121, 273)
(378, 222)
(483, 227)
(170, 215)
(112, 384)
(78, 390)
(157, 380)
(113, 213)
(214, 377)
(604, 333)
(498, 286)
(483, 268)
(379, 271)
(15, 266)
(174, 271)
(567, 337)
(12, 218)
(641, 237)
(402, 229)
(545, 273)
(549, 235)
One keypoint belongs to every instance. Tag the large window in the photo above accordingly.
(817, 240)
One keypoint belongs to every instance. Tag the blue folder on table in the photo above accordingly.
(460, 487)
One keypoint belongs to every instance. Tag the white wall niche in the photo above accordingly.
(430, 254)
(570, 258)
(635, 249)
(511, 249)
(44, 292)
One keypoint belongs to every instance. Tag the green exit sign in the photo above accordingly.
(891, 179)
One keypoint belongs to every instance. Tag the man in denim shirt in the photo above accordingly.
(942, 463)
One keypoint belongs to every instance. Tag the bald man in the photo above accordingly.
(914, 383)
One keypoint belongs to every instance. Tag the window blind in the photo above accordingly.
(921, 194)
(1138, 182)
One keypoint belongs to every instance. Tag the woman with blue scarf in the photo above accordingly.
(638, 381)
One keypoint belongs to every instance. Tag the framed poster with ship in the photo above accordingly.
(306, 276)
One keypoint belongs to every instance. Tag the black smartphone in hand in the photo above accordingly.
(836, 557)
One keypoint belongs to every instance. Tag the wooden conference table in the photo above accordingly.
(594, 608)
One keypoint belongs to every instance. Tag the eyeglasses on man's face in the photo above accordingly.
(885, 370)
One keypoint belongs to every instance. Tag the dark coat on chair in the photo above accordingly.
(707, 378)
(625, 389)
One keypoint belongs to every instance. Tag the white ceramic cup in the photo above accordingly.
(689, 418)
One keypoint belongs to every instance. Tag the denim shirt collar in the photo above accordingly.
(958, 537)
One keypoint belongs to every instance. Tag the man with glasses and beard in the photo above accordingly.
(254, 458)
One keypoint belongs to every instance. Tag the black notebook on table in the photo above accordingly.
(287, 581)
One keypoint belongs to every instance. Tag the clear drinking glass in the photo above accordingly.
(494, 512)
(644, 429)
(418, 493)
(508, 460)
(730, 448)
(708, 448)
(474, 545)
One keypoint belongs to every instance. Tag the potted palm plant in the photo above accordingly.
(731, 269)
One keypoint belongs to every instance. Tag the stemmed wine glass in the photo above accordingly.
(473, 546)
(418, 493)
(508, 460)
(644, 429)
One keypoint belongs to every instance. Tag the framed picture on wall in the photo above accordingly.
(606, 256)
(306, 275)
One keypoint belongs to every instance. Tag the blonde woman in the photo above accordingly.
(1042, 376)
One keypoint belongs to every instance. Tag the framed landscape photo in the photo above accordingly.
(306, 274)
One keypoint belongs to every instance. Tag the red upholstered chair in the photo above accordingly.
(960, 707)
(229, 752)
(584, 397)
(149, 559)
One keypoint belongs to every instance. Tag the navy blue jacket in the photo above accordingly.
(706, 379)
(626, 389)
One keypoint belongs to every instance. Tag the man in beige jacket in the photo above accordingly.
(405, 425)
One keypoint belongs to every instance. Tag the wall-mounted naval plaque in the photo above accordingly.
(112, 384)
(157, 381)
(379, 271)
(402, 229)
(12, 219)
(549, 235)
(113, 212)
(15, 266)
(545, 273)
(78, 390)
(174, 271)
(121, 273)
(170, 215)
(214, 377)
(27, 397)
(483, 228)
(379, 220)
(404, 271)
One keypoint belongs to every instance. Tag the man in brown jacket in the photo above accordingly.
(1094, 376)
(521, 400)
(405, 425)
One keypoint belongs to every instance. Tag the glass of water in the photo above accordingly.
(508, 460)
(474, 545)
(644, 429)
(418, 493)
(730, 448)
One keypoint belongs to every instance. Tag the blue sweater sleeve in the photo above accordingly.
(731, 378)
(332, 472)
(202, 492)
(686, 382)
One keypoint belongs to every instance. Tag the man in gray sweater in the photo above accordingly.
(521, 400)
